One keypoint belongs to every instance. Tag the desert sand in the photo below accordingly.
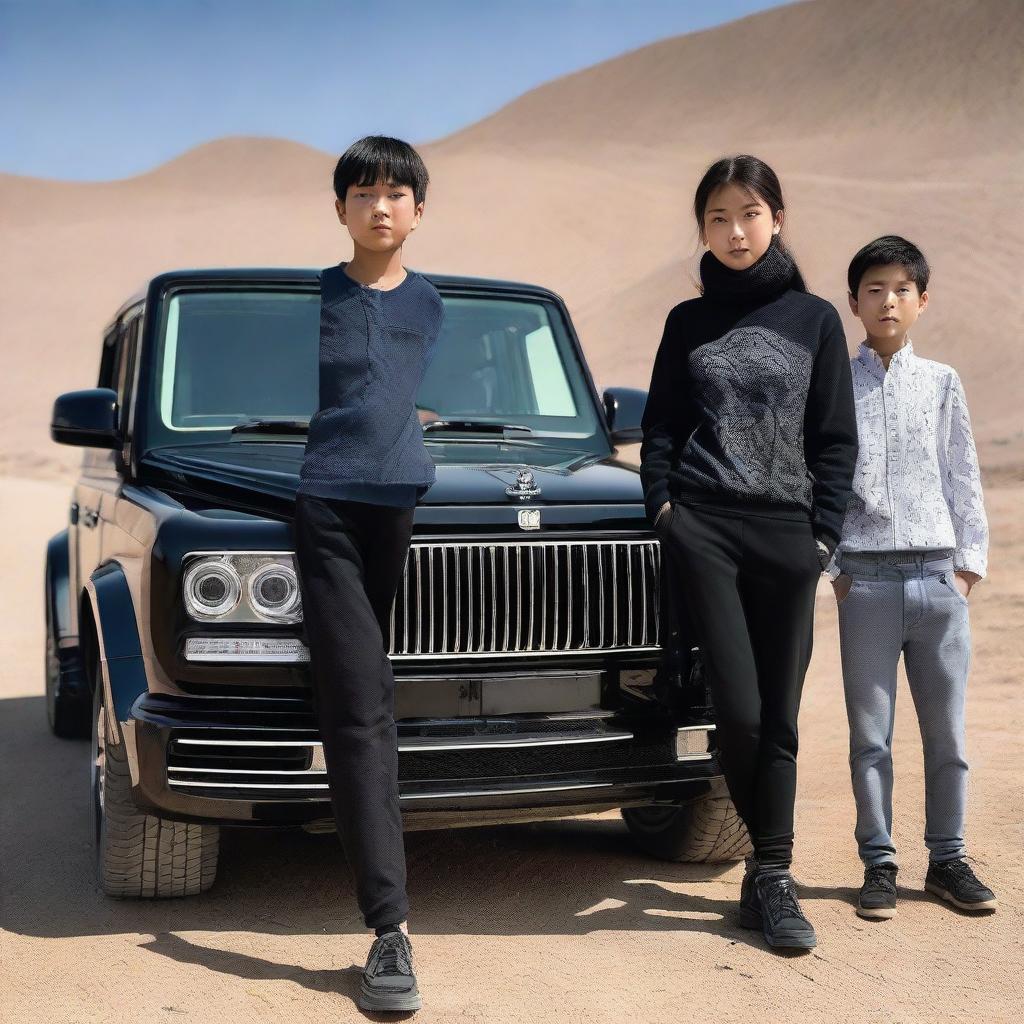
(881, 116)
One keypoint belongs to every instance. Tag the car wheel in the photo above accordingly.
(701, 831)
(68, 717)
(140, 855)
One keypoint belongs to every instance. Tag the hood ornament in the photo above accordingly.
(524, 487)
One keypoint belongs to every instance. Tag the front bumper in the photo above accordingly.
(259, 761)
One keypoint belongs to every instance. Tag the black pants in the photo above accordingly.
(748, 583)
(350, 557)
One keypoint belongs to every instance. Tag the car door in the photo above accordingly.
(99, 481)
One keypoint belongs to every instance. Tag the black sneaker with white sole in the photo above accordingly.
(389, 984)
(877, 899)
(955, 882)
(782, 919)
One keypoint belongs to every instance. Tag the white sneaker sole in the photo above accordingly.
(943, 894)
(876, 913)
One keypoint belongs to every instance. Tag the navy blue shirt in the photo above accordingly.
(365, 440)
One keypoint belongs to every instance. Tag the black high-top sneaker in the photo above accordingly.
(750, 905)
(877, 899)
(389, 984)
(782, 919)
(955, 882)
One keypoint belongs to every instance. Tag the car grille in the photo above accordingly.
(541, 597)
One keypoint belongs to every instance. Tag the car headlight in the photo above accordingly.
(212, 589)
(274, 591)
(241, 586)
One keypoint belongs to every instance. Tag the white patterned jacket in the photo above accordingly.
(917, 484)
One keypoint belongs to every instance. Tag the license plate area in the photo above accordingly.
(506, 694)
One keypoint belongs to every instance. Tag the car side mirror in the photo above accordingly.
(87, 417)
(624, 409)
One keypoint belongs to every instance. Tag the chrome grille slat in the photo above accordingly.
(494, 596)
(557, 603)
(568, 590)
(470, 610)
(554, 621)
(483, 602)
(532, 602)
(419, 591)
(519, 596)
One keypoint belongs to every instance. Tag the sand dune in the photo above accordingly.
(879, 116)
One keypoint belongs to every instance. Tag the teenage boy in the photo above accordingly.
(914, 543)
(365, 468)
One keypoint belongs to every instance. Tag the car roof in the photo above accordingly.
(309, 275)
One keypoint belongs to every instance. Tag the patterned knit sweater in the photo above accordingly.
(365, 440)
(750, 403)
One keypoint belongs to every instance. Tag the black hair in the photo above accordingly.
(889, 249)
(754, 176)
(379, 158)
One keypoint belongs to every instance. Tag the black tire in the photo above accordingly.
(704, 831)
(69, 717)
(141, 856)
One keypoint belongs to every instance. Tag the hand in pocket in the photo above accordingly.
(661, 521)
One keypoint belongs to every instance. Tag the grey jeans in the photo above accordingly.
(909, 603)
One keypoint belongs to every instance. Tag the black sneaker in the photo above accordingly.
(782, 919)
(955, 882)
(750, 905)
(389, 984)
(877, 899)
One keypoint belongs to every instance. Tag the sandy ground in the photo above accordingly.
(560, 921)
(583, 186)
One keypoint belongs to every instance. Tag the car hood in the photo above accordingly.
(468, 473)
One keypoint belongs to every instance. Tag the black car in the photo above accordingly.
(537, 673)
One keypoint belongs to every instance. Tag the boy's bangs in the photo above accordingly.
(380, 160)
(384, 172)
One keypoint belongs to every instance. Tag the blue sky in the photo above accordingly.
(109, 88)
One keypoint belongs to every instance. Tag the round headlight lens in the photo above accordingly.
(274, 591)
(211, 589)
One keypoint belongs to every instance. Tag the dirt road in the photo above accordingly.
(561, 921)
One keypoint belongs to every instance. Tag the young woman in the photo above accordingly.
(750, 442)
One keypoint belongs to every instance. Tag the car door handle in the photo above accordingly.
(90, 516)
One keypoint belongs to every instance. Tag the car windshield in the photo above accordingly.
(238, 355)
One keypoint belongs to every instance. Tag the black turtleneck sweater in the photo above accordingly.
(751, 402)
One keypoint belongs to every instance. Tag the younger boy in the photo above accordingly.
(365, 467)
(914, 543)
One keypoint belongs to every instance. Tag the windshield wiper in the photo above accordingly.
(475, 427)
(271, 427)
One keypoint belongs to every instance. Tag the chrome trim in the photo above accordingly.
(292, 659)
(195, 784)
(445, 795)
(510, 792)
(426, 744)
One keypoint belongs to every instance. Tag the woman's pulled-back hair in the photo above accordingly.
(756, 178)
(380, 158)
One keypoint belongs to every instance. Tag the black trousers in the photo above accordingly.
(748, 583)
(350, 558)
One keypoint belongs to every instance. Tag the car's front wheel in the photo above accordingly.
(140, 855)
(700, 831)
